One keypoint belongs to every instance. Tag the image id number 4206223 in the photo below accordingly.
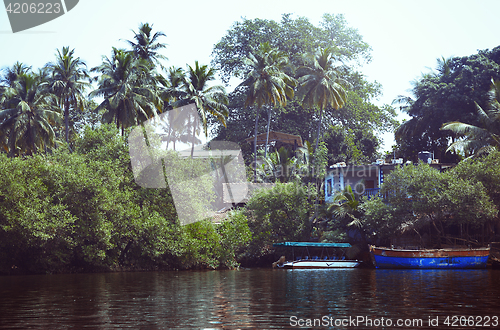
(471, 321)
(34, 8)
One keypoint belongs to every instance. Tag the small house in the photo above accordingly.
(368, 179)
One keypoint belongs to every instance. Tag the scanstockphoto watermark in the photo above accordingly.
(357, 321)
(364, 322)
(25, 15)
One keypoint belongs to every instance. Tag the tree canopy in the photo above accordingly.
(447, 95)
(358, 119)
(291, 36)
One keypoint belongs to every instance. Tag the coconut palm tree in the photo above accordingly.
(174, 122)
(345, 207)
(69, 79)
(171, 86)
(129, 90)
(282, 164)
(146, 45)
(175, 127)
(267, 83)
(29, 112)
(11, 74)
(444, 67)
(320, 85)
(486, 135)
(209, 100)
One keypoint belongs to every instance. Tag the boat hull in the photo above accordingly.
(430, 259)
(321, 264)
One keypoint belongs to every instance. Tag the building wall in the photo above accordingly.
(340, 177)
(360, 177)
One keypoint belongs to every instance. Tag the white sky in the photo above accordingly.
(406, 36)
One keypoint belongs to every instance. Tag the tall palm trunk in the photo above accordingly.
(255, 146)
(267, 135)
(194, 137)
(66, 123)
(319, 129)
(316, 163)
(317, 141)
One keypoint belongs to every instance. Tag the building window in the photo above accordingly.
(329, 186)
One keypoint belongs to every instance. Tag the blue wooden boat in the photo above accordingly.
(430, 259)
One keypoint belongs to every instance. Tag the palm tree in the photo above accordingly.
(129, 90)
(209, 100)
(282, 164)
(320, 85)
(146, 46)
(444, 66)
(486, 135)
(175, 125)
(170, 87)
(267, 83)
(174, 122)
(29, 112)
(345, 207)
(68, 82)
(12, 74)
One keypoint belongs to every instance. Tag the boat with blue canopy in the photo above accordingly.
(331, 255)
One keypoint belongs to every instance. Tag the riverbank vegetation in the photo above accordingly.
(429, 208)
(69, 201)
(83, 211)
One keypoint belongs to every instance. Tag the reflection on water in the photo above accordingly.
(256, 299)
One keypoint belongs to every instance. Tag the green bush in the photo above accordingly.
(279, 214)
(420, 196)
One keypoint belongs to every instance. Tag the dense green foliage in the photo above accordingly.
(294, 37)
(449, 95)
(83, 211)
(279, 214)
(485, 136)
(420, 197)
(28, 112)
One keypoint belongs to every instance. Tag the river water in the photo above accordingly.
(254, 299)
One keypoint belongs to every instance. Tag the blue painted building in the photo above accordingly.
(366, 179)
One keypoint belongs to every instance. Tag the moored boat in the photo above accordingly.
(325, 260)
(431, 259)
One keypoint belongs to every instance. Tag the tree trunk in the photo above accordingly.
(194, 137)
(318, 187)
(319, 129)
(66, 123)
(317, 142)
(267, 135)
(255, 146)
